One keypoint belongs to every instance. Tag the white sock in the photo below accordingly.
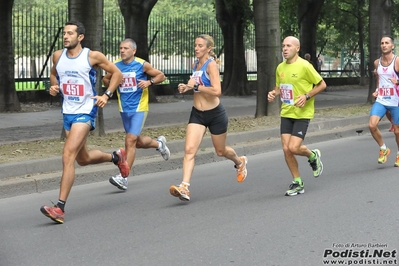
(383, 147)
(186, 184)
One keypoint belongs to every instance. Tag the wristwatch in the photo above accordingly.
(152, 81)
(109, 94)
(195, 87)
(307, 96)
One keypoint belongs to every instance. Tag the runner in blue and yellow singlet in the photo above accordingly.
(133, 105)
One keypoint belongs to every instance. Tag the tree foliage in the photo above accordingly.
(50, 14)
(288, 18)
(178, 24)
(395, 19)
(339, 29)
(341, 23)
(336, 29)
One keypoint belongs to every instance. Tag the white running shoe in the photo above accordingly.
(119, 181)
(164, 150)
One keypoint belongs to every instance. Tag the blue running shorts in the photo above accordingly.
(133, 122)
(380, 110)
(79, 118)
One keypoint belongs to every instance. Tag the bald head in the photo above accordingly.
(290, 49)
(293, 40)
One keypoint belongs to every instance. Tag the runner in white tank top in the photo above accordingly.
(387, 97)
(387, 91)
(73, 75)
(77, 80)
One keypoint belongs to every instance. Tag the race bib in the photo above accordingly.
(386, 92)
(129, 83)
(73, 88)
(197, 76)
(287, 94)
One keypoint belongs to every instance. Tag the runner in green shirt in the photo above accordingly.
(297, 82)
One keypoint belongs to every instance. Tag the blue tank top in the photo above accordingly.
(131, 98)
(201, 76)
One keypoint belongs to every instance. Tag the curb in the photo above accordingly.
(41, 175)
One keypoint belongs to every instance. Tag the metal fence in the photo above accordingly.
(171, 43)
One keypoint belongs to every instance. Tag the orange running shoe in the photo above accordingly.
(384, 155)
(181, 191)
(122, 163)
(54, 213)
(242, 169)
(397, 161)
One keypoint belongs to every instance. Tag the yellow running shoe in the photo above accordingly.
(316, 164)
(384, 155)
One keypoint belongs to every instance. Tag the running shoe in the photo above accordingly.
(122, 163)
(316, 164)
(54, 213)
(242, 169)
(181, 191)
(295, 189)
(164, 150)
(119, 181)
(397, 161)
(384, 155)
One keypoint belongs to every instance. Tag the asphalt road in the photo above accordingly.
(353, 203)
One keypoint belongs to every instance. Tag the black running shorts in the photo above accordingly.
(294, 127)
(215, 119)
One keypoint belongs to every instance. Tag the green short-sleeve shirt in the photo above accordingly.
(296, 79)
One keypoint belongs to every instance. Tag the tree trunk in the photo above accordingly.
(135, 15)
(92, 19)
(230, 16)
(308, 16)
(380, 25)
(8, 95)
(360, 27)
(268, 53)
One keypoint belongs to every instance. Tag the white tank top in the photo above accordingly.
(387, 91)
(77, 79)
